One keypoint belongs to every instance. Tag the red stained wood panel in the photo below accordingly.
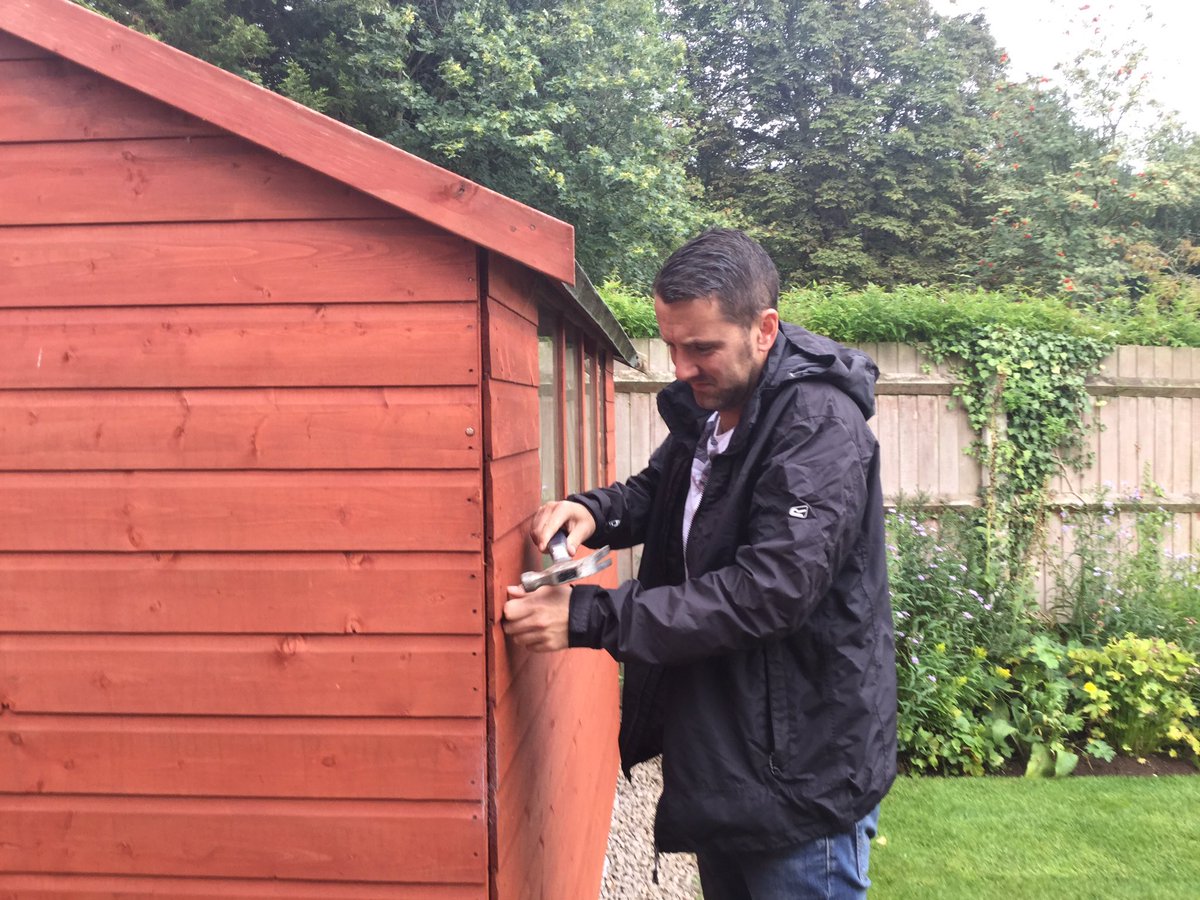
(179, 180)
(351, 840)
(241, 429)
(292, 675)
(237, 511)
(103, 887)
(262, 346)
(54, 100)
(558, 768)
(512, 346)
(514, 420)
(260, 593)
(406, 759)
(514, 285)
(342, 261)
(14, 48)
(514, 488)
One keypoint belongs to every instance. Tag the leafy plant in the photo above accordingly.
(1137, 692)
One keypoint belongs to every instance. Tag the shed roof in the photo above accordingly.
(296, 132)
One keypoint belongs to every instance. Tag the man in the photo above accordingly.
(757, 639)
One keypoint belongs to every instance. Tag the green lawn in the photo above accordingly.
(1019, 839)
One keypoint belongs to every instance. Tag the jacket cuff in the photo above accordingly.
(584, 609)
(597, 539)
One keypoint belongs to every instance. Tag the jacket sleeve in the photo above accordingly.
(806, 515)
(621, 510)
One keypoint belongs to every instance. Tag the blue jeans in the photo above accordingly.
(828, 868)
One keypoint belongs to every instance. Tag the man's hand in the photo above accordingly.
(538, 621)
(553, 517)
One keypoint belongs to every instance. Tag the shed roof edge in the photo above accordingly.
(294, 131)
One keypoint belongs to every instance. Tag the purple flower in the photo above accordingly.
(967, 616)
(932, 678)
(915, 660)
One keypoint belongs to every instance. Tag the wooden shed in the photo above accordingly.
(277, 402)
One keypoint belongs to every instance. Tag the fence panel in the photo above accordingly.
(1146, 404)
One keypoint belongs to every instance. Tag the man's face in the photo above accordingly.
(720, 360)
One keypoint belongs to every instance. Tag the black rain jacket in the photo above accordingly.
(767, 678)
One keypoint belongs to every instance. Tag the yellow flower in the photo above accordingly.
(980, 653)
(1090, 688)
(1003, 672)
(941, 648)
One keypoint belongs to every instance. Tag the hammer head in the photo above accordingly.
(564, 568)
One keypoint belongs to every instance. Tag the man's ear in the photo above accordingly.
(768, 328)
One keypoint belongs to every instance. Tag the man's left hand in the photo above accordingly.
(538, 621)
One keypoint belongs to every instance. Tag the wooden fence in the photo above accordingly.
(1147, 402)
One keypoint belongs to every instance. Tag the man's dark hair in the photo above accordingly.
(726, 264)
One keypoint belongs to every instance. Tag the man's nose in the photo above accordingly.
(684, 369)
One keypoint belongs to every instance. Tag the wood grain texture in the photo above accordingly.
(404, 759)
(238, 511)
(350, 840)
(53, 100)
(342, 261)
(103, 887)
(242, 593)
(513, 285)
(167, 180)
(428, 428)
(292, 675)
(514, 486)
(512, 346)
(258, 346)
(291, 130)
(514, 423)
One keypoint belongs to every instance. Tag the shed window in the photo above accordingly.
(571, 405)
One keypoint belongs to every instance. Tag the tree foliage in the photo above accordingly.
(840, 130)
(570, 106)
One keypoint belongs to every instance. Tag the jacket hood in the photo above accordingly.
(797, 355)
(800, 354)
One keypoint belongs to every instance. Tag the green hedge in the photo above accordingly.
(915, 314)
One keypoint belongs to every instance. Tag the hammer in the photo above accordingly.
(565, 569)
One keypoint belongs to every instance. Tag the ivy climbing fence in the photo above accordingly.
(1146, 401)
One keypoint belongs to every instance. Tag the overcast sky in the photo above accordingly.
(1040, 33)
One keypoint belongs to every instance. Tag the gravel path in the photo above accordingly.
(630, 861)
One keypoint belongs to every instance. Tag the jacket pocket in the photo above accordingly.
(780, 739)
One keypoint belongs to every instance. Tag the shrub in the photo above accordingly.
(1136, 693)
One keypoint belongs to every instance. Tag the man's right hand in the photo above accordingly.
(554, 517)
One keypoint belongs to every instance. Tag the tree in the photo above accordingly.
(573, 107)
(840, 130)
(1092, 190)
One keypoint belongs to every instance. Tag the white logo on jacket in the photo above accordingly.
(800, 511)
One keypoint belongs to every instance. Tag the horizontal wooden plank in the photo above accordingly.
(513, 424)
(351, 840)
(261, 593)
(172, 180)
(512, 346)
(402, 759)
(238, 511)
(395, 428)
(514, 486)
(422, 677)
(54, 100)
(337, 261)
(106, 887)
(514, 285)
(255, 346)
(14, 48)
